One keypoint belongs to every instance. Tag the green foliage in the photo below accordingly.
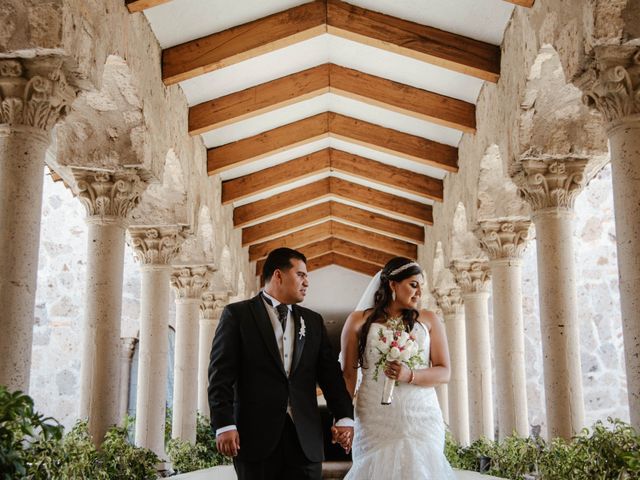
(606, 452)
(187, 457)
(34, 448)
(21, 428)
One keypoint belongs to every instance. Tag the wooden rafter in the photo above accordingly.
(522, 3)
(243, 42)
(316, 81)
(354, 264)
(448, 50)
(321, 189)
(332, 210)
(334, 229)
(304, 131)
(330, 159)
(139, 5)
(320, 262)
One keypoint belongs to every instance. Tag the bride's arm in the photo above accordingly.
(440, 371)
(349, 349)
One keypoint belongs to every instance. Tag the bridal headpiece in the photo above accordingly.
(402, 268)
(368, 297)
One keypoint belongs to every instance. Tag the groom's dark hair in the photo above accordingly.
(280, 259)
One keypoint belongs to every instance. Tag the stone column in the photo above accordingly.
(504, 241)
(210, 311)
(473, 278)
(34, 95)
(614, 89)
(550, 187)
(154, 248)
(450, 302)
(127, 349)
(188, 283)
(108, 198)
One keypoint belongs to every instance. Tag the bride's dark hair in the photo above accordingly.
(383, 298)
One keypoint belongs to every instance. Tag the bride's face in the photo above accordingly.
(408, 291)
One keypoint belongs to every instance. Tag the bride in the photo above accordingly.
(405, 439)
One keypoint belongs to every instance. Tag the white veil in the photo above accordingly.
(367, 300)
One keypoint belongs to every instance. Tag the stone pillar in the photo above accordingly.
(504, 241)
(614, 89)
(34, 95)
(450, 302)
(210, 311)
(473, 278)
(127, 349)
(154, 248)
(189, 284)
(550, 187)
(108, 198)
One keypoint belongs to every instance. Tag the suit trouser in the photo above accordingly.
(286, 462)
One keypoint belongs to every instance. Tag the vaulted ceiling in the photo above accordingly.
(331, 124)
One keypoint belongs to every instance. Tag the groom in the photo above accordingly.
(268, 354)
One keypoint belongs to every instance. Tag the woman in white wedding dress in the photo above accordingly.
(403, 440)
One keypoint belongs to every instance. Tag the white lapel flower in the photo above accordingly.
(303, 329)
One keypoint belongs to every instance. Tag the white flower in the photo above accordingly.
(405, 355)
(303, 329)
(394, 353)
(404, 336)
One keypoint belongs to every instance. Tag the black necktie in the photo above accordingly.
(283, 312)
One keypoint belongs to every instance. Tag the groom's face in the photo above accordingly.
(294, 282)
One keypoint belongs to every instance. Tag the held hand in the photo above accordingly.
(342, 436)
(228, 443)
(397, 371)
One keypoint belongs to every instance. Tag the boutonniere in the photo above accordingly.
(303, 329)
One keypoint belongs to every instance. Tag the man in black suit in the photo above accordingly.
(267, 357)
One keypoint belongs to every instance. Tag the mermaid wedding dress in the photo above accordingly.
(404, 440)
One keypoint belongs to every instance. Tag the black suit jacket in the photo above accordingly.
(248, 385)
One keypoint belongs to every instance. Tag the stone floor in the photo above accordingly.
(331, 470)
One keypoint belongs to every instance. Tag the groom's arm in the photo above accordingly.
(223, 371)
(330, 379)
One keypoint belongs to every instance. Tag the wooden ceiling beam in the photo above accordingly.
(292, 240)
(260, 209)
(320, 262)
(330, 159)
(448, 50)
(354, 264)
(312, 128)
(312, 250)
(360, 252)
(272, 141)
(242, 42)
(277, 176)
(355, 216)
(412, 147)
(297, 87)
(522, 3)
(140, 5)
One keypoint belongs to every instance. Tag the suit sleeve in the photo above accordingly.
(223, 370)
(330, 379)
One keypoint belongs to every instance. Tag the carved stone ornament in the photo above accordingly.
(108, 195)
(155, 246)
(33, 93)
(449, 300)
(504, 239)
(191, 282)
(612, 86)
(212, 305)
(550, 183)
(473, 276)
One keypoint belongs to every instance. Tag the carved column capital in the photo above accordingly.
(33, 93)
(612, 85)
(473, 276)
(190, 282)
(504, 239)
(449, 300)
(155, 246)
(550, 184)
(212, 305)
(108, 197)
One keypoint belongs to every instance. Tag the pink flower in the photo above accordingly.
(394, 343)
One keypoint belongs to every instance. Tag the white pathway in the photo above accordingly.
(227, 473)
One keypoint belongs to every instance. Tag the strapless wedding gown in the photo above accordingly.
(404, 440)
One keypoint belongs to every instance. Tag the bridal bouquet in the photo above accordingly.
(394, 343)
